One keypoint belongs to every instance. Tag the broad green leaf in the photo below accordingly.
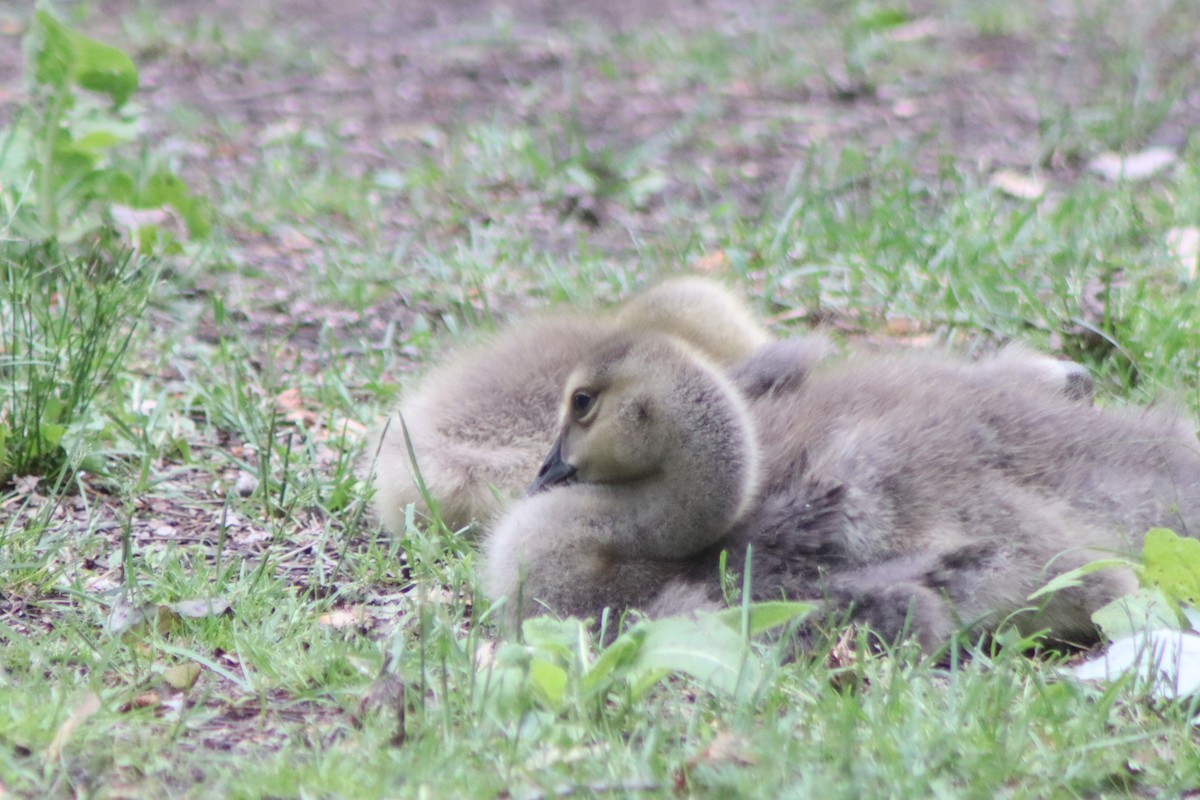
(64, 53)
(703, 647)
(1145, 609)
(105, 69)
(95, 464)
(557, 636)
(54, 55)
(166, 189)
(152, 239)
(114, 185)
(16, 152)
(52, 433)
(162, 188)
(1172, 563)
(91, 64)
(97, 141)
(511, 654)
(612, 662)
(73, 171)
(55, 409)
(881, 19)
(765, 616)
(549, 680)
(123, 126)
(1075, 577)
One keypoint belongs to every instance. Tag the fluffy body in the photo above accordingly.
(957, 489)
(480, 424)
(924, 493)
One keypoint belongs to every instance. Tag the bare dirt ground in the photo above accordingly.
(399, 64)
(385, 69)
(396, 75)
(392, 75)
(390, 69)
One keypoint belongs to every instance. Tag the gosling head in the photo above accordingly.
(612, 428)
(648, 409)
(701, 312)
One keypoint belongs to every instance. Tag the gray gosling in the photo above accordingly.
(655, 461)
(481, 424)
(920, 492)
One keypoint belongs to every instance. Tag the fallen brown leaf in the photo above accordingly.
(289, 400)
(291, 403)
(26, 485)
(182, 676)
(1135, 167)
(1018, 184)
(901, 326)
(917, 30)
(725, 748)
(123, 615)
(788, 316)
(338, 426)
(438, 595)
(150, 699)
(1184, 246)
(842, 659)
(715, 261)
(341, 618)
(134, 218)
(293, 240)
(198, 609)
(88, 705)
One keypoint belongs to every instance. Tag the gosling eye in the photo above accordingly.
(581, 403)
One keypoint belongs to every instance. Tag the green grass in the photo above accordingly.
(348, 253)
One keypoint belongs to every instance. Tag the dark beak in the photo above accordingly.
(553, 472)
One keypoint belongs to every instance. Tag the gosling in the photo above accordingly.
(480, 425)
(922, 493)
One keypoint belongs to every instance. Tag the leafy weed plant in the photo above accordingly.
(65, 326)
(62, 178)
